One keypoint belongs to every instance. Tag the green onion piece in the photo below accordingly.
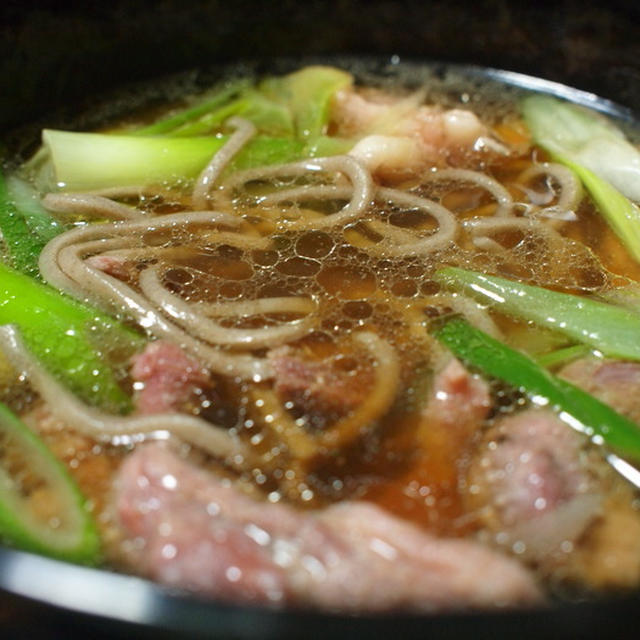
(85, 161)
(562, 356)
(72, 340)
(211, 121)
(576, 407)
(264, 151)
(72, 535)
(323, 146)
(612, 330)
(269, 117)
(607, 164)
(22, 244)
(295, 105)
(173, 122)
(308, 94)
(622, 215)
(27, 201)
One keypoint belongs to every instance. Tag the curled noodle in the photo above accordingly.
(397, 242)
(501, 195)
(360, 192)
(569, 187)
(482, 231)
(193, 318)
(380, 398)
(62, 264)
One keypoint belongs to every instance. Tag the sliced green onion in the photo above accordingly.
(22, 243)
(607, 164)
(612, 330)
(562, 356)
(68, 531)
(576, 407)
(295, 105)
(212, 120)
(85, 161)
(265, 151)
(65, 336)
(585, 137)
(323, 146)
(622, 215)
(308, 94)
(269, 117)
(181, 118)
(27, 201)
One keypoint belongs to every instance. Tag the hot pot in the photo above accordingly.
(56, 57)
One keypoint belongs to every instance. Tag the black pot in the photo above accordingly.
(55, 58)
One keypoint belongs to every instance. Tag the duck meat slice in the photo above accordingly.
(195, 531)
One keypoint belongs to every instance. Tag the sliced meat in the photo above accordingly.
(614, 382)
(389, 157)
(165, 377)
(531, 483)
(355, 113)
(534, 465)
(201, 534)
(458, 404)
(319, 387)
(439, 130)
(111, 265)
(398, 135)
(609, 555)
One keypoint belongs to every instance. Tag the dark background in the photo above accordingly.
(59, 52)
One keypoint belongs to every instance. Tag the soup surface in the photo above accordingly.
(341, 341)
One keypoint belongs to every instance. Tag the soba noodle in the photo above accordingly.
(87, 420)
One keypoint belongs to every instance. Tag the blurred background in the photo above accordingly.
(58, 52)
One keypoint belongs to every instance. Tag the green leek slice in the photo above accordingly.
(612, 330)
(574, 406)
(30, 474)
(598, 153)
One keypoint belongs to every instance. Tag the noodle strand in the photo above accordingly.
(89, 421)
(245, 130)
